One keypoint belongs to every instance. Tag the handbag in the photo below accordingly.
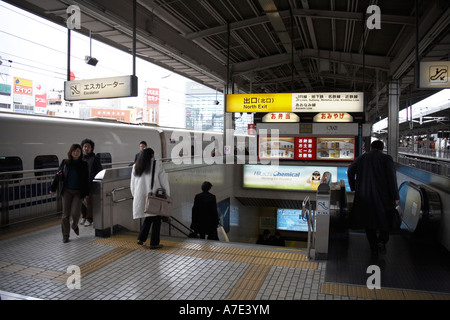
(159, 203)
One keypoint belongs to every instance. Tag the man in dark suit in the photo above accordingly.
(376, 194)
(142, 147)
(205, 218)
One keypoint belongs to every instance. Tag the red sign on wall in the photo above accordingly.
(152, 95)
(23, 86)
(305, 148)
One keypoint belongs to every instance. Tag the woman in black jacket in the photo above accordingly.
(73, 174)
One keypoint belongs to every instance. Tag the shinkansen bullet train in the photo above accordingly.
(31, 142)
(36, 145)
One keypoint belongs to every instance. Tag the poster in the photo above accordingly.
(305, 178)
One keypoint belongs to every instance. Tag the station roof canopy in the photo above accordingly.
(275, 45)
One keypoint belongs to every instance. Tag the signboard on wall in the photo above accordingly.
(306, 148)
(281, 117)
(434, 74)
(152, 95)
(23, 98)
(296, 102)
(305, 178)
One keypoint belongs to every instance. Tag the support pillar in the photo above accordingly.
(393, 105)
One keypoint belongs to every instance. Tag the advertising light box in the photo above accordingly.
(307, 148)
(280, 148)
(335, 148)
(291, 220)
(304, 178)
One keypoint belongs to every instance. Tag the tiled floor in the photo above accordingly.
(39, 265)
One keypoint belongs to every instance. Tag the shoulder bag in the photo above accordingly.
(159, 203)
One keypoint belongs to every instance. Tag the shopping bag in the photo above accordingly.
(222, 234)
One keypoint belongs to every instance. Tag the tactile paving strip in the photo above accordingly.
(249, 284)
(206, 251)
(59, 276)
(379, 294)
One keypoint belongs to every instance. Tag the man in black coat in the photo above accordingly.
(205, 218)
(376, 194)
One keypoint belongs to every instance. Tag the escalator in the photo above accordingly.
(420, 209)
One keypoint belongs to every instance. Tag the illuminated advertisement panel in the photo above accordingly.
(306, 178)
(335, 148)
(291, 220)
(280, 148)
(307, 148)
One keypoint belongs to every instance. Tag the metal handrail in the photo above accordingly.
(113, 201)
(310, 218)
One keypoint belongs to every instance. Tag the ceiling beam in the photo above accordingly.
(372, 62)
(300, 13)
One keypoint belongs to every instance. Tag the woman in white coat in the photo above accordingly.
(141, 179)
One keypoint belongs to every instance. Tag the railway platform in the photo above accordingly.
(36, 264)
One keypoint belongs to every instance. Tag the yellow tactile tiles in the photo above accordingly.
(206, 251)
(59, 276)
(379, 294)
(30, 271)
(12, 234)
(249, 284)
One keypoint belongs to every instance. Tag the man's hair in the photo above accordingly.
(377, 145)
(206, 186)
(88, 141)
(143, 142)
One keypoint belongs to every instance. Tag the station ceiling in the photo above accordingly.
(276, 45)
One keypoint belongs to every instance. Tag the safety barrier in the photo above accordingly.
(25, 196)
(112, 207)
(115, 199)
(420, 209)
(310, 216)
(318, 220)
(438, 167)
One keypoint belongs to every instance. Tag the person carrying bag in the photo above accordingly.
(147, 177)
(158, 202)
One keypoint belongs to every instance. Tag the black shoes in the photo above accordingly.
(77, 231)
(158, 246)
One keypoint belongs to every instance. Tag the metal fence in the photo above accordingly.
(25, 196)
(441, 168)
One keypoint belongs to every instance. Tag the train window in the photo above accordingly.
(11, 164)
(105, 158)
(44, 162)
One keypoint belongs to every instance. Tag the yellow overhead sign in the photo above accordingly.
(261, 102)
(296, 102)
